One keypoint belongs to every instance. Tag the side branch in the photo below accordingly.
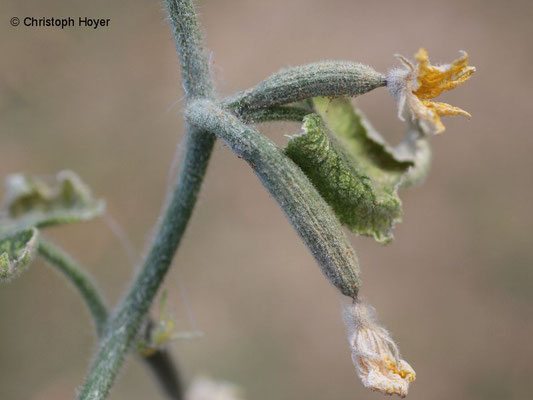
(302, 204)
(166, 372)
(160, 363)
(81, 281)
(328, 78)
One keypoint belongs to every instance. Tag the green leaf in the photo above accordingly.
(354, 169)
(16, 252)
(33, 201)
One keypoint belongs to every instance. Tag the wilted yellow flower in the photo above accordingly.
(375, 354)
(414, 86)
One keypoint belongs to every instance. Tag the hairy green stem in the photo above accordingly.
(126, 320)
(304, 207)
(195, 74)
(80, 279)
(328, 78)
(161, 363)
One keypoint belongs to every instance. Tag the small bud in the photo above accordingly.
(375, 354)
(163, 332)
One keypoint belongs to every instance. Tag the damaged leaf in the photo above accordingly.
(354, 169)
(16, 252)
(35, 201)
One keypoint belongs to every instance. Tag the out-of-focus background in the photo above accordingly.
(455, 288)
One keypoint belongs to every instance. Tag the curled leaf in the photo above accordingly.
(16, 252)
(417, 149)
(354, 169)
(34, 201)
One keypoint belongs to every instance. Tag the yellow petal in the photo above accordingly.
(433, 80)
(445, 108)
(427, 117)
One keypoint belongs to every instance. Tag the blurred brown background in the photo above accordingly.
(455, 288)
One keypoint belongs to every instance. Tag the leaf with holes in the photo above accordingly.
(33, 201)
(354, 169)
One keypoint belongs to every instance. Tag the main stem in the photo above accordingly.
(127, 319)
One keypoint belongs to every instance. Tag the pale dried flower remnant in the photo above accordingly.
(207, 389)
(415, 85)
(374, 353)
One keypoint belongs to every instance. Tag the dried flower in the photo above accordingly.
(375, 354)
(414, 86)
(207, 389)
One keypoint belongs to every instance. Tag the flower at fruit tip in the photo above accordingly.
(374, 353)
(415, 85)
